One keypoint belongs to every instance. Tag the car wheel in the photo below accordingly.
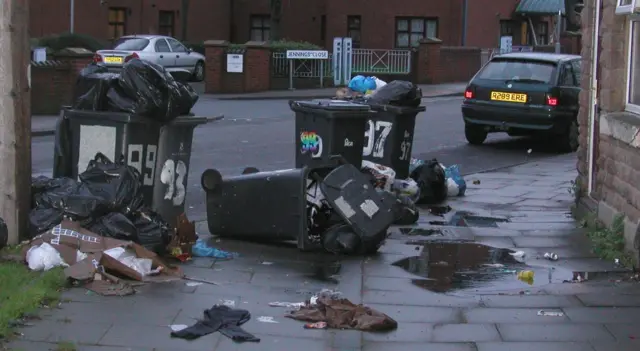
(475, 135)
(570, 140)
(198, 72)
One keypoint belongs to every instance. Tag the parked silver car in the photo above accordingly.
(162, 50)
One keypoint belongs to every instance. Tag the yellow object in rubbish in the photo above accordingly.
(526, 276)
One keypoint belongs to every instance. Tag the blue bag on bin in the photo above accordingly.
(455, 181)
(414, 163)
(362, 84)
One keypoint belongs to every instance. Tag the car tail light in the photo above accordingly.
(97, 58)
(131, 57)
(552, 101)
(468, 94)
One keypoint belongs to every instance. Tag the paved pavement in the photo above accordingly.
(45, 125)
(261, 134)
(484, 309)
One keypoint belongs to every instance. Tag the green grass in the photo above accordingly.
(608, 242)
(23, 291)
(65, 346)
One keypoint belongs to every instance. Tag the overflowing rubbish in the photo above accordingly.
(266, 319)
(181, 245)
(397, 93)
(201, 249)
(294, 305)
(431, 180)
(550, 256)
(221, 319)
(317, 325)
(142, 88)
(550, 313)
(518, 255)
(456, 186)
(526, 276)
(178, 327)
(363, 85)
(89, 257)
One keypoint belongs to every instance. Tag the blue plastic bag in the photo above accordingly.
(453, 173)
(414, 163)
(201, 249)
(362, 84)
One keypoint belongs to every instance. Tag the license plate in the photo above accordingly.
(510, 97)
(113, 59)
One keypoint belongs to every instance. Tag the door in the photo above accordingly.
(181, 55)
(164, 56)
(594, 110)
(569, 88)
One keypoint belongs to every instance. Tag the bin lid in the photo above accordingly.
(330, 105)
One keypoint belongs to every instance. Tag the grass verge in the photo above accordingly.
(608, 242)
(23, 291)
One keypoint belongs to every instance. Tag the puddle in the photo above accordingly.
(421, 231)
(468, 219)
(446, 267)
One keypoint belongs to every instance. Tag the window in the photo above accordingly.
(567, 79)
(162, 46)
(323, 27)
(577, 70)
(176, 46)
(506, 28)
(625, 6)
(131, 44)
(409, 31)
(532, 71)
(260, 27)
(354, 30)
(117, 22)
(166, 23)
(542, 33)
(633, 78)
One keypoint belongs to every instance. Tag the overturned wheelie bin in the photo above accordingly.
(336, 209)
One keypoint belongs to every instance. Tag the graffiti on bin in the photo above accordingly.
(311, 143)
(174, 176)
(143, 158)
(375, 138)
(405, 146)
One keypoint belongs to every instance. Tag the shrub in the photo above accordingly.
(58, 42)
(197, 47)
(283, 45)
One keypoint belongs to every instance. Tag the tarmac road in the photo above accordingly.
(260, 134)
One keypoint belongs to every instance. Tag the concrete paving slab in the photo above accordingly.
(530, 301)
(271, 343)
(395, 346)
(143, 336)
(413, 299)
(609, 300)
(554, 332)
(407, 332)
(633, 345)
(603, 314)
(465, 333)
(625, 332)
(534, 346)
(417, 314)
(512, 315)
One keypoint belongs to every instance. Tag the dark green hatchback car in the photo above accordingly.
(525, 94)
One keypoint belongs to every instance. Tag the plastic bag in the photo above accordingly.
(383, 177)
(362, 84)
(153, 232)
(408, 188)
(405, 211)
(430, 178)
(398, 93)
(4, 234)
(129, 259)
(452, 173)
(118, 184)
(91, 88)
(44, 257)
(155, 92)
(42, 219)
(201, 249)
(188, 98)
(115, 225)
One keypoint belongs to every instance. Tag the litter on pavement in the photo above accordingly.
(221, 319)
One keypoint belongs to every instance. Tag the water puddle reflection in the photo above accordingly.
(445, 267)
(468, 219)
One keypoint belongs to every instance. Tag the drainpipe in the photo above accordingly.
(558, 31)
(72, 15)
(465, 5)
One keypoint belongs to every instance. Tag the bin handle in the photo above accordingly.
(341, 160)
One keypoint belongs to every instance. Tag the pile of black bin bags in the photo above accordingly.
(107, 200)
(142, 88)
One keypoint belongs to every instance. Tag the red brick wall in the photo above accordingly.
(50, 88)
(483, 21)
(458, 64)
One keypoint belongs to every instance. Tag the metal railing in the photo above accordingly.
(301, 68)
(381, 61)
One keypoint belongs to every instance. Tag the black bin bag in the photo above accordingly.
(431, 180)
(115, 225)
(91, 88)
(397, 93)
(154, 92)
(188, 98)
(153, 232)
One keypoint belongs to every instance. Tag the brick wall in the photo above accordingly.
(458, 64)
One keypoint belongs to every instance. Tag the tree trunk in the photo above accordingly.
(184, 17)
(276, 16)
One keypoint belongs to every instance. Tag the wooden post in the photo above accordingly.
(15, 118)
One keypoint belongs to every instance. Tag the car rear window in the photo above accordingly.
(518, 70)
(131, 44)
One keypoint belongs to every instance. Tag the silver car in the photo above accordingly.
(162, 50)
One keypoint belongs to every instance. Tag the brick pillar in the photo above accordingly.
(429, 61)
(257, 75)
(214, 51)
(76, 59)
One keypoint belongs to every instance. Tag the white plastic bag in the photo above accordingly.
(44, 257)
(408, 188)
(129, 259)
(384, 176)
(452, 188)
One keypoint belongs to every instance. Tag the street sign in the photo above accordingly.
(307, 54)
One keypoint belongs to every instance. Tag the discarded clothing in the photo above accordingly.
(219, 318)
(201, 249)
(343, 314)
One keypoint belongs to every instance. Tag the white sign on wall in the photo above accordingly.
(506, 43)
(234, 63)
(307, 54)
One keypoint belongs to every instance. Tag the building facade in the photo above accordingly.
(375, 24)
(609, 117)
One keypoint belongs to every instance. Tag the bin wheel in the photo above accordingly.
(211, 179)
(250, 170)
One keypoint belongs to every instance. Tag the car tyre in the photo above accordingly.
(475, 135)
(570, 140)
(198, 72)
